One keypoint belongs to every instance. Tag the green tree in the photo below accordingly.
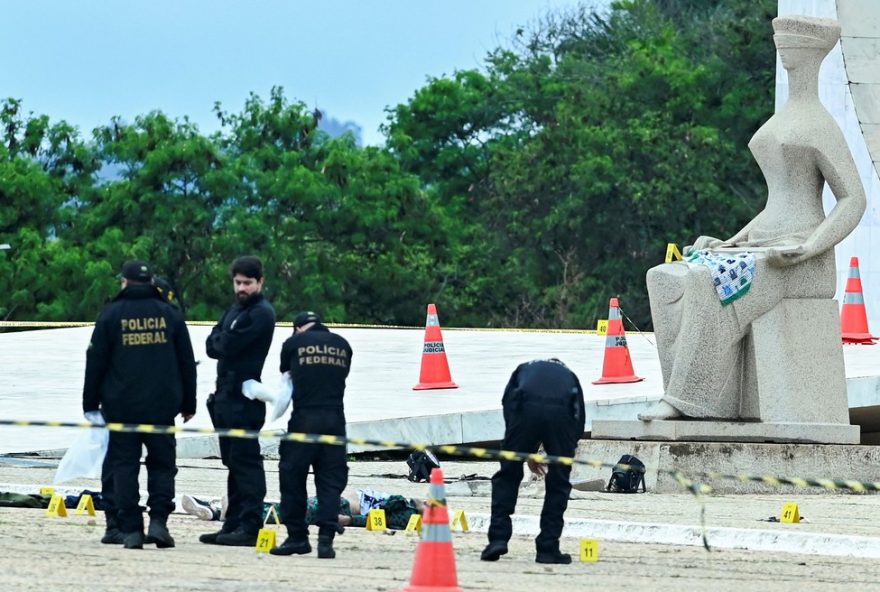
(342, 229)
(588, 146)
(523, 194)
(163, 201)
(45, 170)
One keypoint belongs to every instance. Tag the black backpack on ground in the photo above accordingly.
(420, 465)
(627, 480)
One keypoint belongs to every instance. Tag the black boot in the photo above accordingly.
(158, 533)
(210, 538)
(133, 540)
(112, 534)
(240, 537)
(325, 546)
(552, 557)
(493, 551)
(293, 546)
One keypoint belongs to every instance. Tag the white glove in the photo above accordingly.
(257, 391)
(277, 400)
(285, 395)
(96, 418)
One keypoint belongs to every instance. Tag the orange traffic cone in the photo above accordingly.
(618, 365)
(434, 567)
(853, 316)
(435, 367)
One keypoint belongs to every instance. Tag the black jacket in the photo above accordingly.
(240, 342)
(140, 366)
(318, 362)
(546, 382)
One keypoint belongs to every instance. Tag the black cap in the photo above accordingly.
(137, 271)
(165, 287)
(304, 318)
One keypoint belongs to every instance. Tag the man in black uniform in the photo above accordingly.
(543, 402)
(112, 534)
(140, 369)
(318, 362)
(239, 343)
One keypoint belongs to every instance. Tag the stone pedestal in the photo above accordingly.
(793, 368)
(813, 461)
(726, 431)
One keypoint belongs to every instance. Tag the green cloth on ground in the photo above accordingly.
(23, 500)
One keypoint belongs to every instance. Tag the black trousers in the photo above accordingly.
(246, 479)
(331, 471)
(123, 466)
(111, 514)
(526, 426)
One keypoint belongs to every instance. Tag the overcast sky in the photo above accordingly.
(87, 60)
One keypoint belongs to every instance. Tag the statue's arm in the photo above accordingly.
(842, 176)
(839, 170)
(710, 242)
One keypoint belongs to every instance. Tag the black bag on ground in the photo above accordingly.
(627, 480)
(420, 465)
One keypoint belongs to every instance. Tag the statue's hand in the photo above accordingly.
(703, 242)
(783, 257)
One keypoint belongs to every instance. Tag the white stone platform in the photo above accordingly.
(806, 461)
(726, 431)
(41, 375)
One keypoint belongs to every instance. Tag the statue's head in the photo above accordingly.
(802, 37)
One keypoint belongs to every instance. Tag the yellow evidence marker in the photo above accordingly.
(56, 507)
(85, 505)
(265, 540)
(460, 520)
(589, 550)
(376, 520)
(414, 526)
(266, 536)
(47, 490)
(672, 253)
(602, 327)
(790, 513)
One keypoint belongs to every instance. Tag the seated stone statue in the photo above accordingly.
(798, 149)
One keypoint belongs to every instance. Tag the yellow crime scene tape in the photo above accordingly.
(696, 487)
(287, 324)
(476, 452)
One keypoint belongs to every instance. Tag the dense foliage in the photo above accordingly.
(522, 194)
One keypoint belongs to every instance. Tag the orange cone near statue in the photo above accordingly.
(434, 566)
(435, 367)
(618, 365)
(853, 316)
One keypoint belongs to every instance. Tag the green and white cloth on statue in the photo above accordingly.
(732, 274)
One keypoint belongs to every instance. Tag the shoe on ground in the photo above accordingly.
(553, 557)
(325, 547)
(292, 547)
(133, 540)
(113, 536)
(210, 538)
(493, 551)
(198, 508)
(237, 538)
(158, 534)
